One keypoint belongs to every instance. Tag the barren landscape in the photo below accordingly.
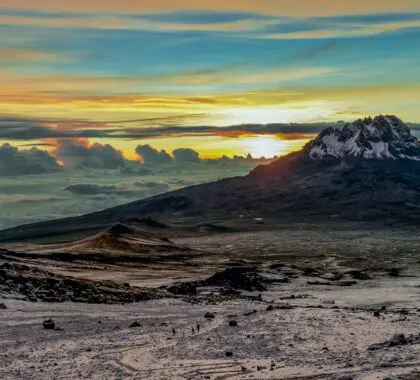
(303, 302)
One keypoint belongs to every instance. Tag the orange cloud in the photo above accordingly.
(302, 8)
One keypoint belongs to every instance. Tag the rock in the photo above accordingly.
(270, 308)
(3, 306)
(228, 354)
(228, 291)
(344, 377)
(241, 277)
(209, 315)
(233, 323)
(377, 314)
(49, 324)
(135, 324)
(383, 308)
(358, 275)
(250, 313)
(261, 367)
(183, 288)
(394, 272)
(398, 340)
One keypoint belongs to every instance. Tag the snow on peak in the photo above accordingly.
(383, 137)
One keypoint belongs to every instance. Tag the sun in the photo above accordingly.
(265, 146)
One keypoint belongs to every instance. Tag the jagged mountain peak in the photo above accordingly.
(381, 137)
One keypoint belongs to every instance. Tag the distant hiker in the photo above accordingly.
(173, 331)
(198, 327)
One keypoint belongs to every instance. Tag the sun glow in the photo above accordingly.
(270, 145)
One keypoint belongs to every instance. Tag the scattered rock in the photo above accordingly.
(228, 354)
(261, 367)
(398, 340)
(358, 275)
(228, 291)
(344, 377)
(3, 306)
(329, 283)
(377, 314)
(209, 315)
(37, 284)
(394, 272)
(135, 324)
(183, 288)
(404, 312)
(49, 324)
(270, 308)
(395, 341)
(241, 277)
(233, 323)
(250, 313)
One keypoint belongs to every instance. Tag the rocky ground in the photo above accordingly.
(292, 332)
(337, 305)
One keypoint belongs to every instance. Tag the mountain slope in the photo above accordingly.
(369, 170)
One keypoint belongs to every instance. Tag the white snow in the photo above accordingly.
(334, 144)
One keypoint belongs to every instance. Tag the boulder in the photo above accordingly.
(49, 324)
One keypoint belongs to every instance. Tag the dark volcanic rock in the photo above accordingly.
(358, 275)
(245, 278)
(183, 288)
(396, 340)
(49, 324)
(209, 315)
(233, 323)
(135, 324)
(394, 272)
(37, 284)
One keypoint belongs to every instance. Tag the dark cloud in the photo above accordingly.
(183, 155)
(127, 171)
(153, 156)
(85, 189)
(14, 162)
(14, 128)
(96, 156)
(158, 186)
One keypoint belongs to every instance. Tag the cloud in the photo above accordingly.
(127, 171)
(302, 8)
(15, 128)
(183, 155)
(15, 162)
(156, 186)
(86, 189)
(152, 156)
(79, 153)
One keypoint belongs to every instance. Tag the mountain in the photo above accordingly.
(368, 170)
(384, 137)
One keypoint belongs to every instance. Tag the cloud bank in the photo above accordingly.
(15, 162)
(81, 154)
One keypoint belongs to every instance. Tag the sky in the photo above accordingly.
(118, 66)
(95, 91)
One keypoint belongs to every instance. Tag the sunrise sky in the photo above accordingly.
(162, 72)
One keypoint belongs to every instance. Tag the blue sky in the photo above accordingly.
(230, 62)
